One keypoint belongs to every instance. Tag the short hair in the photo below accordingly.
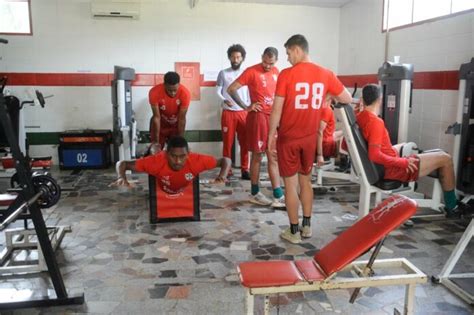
(177, 142)
(370, 94)
(171, 78)
(298, 40)
(271, 52)
(236, 48)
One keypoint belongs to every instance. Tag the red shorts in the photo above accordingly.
(165, 134)
(296, 156)
(401, 174)
(258, 125)
(329, 149)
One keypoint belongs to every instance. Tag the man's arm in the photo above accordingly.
(121, 168)
(232, 90)
(275, 117)
(156, 123)
(344, 97)
(182, 120)
(377, 156)
(320, 157)
(224, 163)
(220, 88)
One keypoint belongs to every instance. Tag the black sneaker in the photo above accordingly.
(245, 175)
(453, 213)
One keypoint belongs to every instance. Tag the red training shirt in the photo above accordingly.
(171, 181)
(261, 85)
(379, 146)
(304, 87)
(327, 115)
(169, 106)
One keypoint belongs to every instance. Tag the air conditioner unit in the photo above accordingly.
(115, 9)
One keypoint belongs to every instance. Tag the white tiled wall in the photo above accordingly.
(436, 46)
(67, 40)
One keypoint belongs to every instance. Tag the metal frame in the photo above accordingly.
(22, 240)
(27, 193)
(410, 279)
(445, 276)
(366, 189)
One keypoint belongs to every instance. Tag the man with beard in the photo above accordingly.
(234, 117)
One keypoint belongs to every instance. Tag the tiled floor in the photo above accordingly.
(125, 265)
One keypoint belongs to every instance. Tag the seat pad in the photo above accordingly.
(310, 271)
(268, 273)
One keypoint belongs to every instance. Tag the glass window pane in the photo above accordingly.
(428, 9)
(399, 12)
(462, 5)
(14, 17)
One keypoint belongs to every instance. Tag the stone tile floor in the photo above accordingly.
(125, 265)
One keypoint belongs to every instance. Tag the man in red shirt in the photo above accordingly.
(175, 167)
(169, 102)
(328, 136)
(261, 82)
(404, 169)
(299, 96)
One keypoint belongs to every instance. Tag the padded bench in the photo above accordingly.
(320, 273)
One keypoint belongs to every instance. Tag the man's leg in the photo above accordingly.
(292, 202)
(442, 162)
(306, 196)
(241, 137)
(228, 134)
(273, 171)
(257, 197)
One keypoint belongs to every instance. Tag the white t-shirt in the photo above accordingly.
(224, 79)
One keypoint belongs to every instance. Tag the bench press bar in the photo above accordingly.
(12, 217)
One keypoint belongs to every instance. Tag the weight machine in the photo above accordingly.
(462, 284)
(34, 192)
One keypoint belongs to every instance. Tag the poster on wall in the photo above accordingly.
(190, 77)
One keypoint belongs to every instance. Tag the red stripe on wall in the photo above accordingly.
(428, 80)
(361, 79)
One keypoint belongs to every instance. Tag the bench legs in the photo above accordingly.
(249, 302)
(364, 201)
(409, 299)
(266, 305)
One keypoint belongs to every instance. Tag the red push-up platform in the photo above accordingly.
(165, 207)
(320, 273)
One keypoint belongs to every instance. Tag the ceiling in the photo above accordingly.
(314, 3)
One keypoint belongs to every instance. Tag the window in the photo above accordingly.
(15, 17)
(398, 13)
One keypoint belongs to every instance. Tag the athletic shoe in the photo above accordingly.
(279, 202)
(290, 237)
(454, 213)
(306, 231)
(245, 175)
(260, 199)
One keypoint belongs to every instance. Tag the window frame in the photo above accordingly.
(31, 24)
(438, 18)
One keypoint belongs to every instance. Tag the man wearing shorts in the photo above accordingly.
(169, 102)
(404, 169)
(328, 136)
(299, 96)
(261, 82)
(234, 117)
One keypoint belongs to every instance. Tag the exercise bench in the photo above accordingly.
(321, 273)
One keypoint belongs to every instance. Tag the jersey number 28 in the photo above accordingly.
(301, 100)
